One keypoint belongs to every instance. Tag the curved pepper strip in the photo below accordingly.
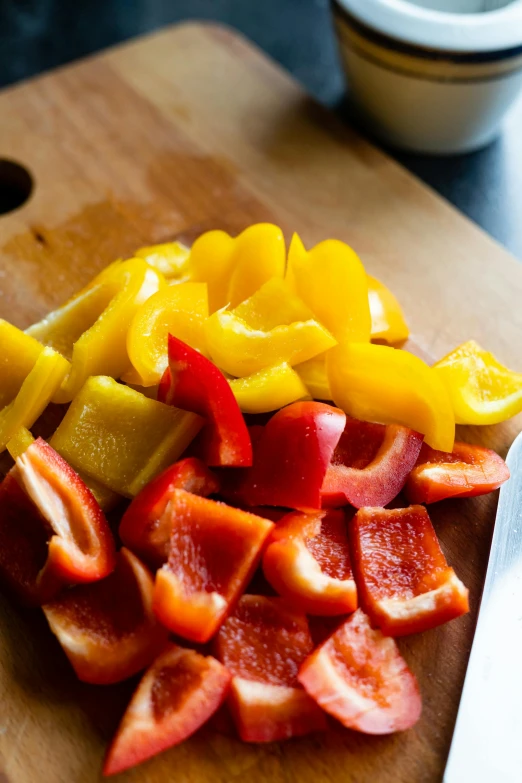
(96, 439)
(240, 350)
(291, 457)
(387, 317)
(92, 327)
(405, 584)
(331, 280)
(180, 310)
(263, 643)
(171, 259)
(52, 531)
(259, 255)
(145, 528)
(482, 391)
(359, 677)
(314, 376)
(178, 694)
(274, 304)
(269, 389)
(35, 394)
(107, 629)
(211, 259)
(466, 472)
(378, 383)
(370, 465)
(307, 561)
(214, 551)
(18, 356)
(193, 383)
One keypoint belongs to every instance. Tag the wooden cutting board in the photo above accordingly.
(189, 129)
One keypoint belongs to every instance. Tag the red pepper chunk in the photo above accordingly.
(178, 694)
(370, 464)
(307, 561)
(145, 529)
(263, 644)
(52, 531)
(108, 629)
(193, 383)
(465, 472)
(292, 455)
(214, 551)
(405, 584)
(359, 677)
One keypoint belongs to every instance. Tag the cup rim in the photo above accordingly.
(487, 31)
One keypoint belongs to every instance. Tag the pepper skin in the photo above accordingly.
(331, 280)
(96, 439)
(193, 383)
(391, 386)
(291, 457)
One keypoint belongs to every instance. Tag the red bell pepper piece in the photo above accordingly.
(52, 530)
(359, 676)
(214, 550)
(262, 644)
(307, 561)
(292, 455)
(405, 584)
(145, 528)
(177, 694)
(108, 629)
(195, 384)
(465, 472)
(370, 464)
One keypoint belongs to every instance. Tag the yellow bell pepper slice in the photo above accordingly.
(180, 310)
(482, 391)
(391, 386)
(18, 355)
(170, 258)
(92, 327)
(105, 497)
(35, 394)
(388, 322)
(315, 378)
(274, 304)
(269, 389)
(259, 254)
(240, 350)
(19, 442)
(211, 262)
(120, 438)
(331, 280)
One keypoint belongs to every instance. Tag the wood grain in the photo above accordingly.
(189, 129)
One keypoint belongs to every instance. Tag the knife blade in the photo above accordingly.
(487, 742)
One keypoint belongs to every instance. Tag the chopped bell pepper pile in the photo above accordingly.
(248, 411)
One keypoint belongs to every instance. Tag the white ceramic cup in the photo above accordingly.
(433, 76)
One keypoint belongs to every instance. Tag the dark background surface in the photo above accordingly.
(36, 35)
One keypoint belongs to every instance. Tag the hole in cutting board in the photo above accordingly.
(16, 185)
